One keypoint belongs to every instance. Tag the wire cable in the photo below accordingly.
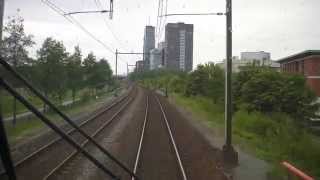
(100, 6)
(73, 21)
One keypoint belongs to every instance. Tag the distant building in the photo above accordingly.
(259, 57)
(148, 44)
(162, 47)
(178, 46)
(155, 59)
(306, 63)
(235, 67)
(139, 66)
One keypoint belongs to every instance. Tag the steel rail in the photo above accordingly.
(61, 114)
(74, 153)
(56, 128)
(51, 143)
(141, 139)
(172, 140)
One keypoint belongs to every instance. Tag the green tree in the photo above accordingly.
(89, 65)
(215, 87)
(14, 48)
(265, 90)
(51, 71)
(197, 82)
(102, 74)
(15, 42)
(74, 72)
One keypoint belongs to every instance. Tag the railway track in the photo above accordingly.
(41, 163)
(157, 155)
(54, 174)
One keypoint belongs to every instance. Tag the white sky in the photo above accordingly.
(282, 27)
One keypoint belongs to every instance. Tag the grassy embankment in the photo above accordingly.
(273, 137)
(7, 101)
(29, 127)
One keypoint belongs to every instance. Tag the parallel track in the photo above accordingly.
(86, 143)
(72, 132)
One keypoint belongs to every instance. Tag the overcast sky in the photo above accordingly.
(281, 27)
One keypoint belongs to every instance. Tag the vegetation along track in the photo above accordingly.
(38, 164)
(157, 158)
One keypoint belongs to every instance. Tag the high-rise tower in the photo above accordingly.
(179, 46)
(148, 44)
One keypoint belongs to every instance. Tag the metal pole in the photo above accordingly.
(228, 112)
(229, 154)
(127, 69)
(1, 17)
(116, 62)
(4, 148)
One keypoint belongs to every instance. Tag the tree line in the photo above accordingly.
(54, 71)
(255, 88)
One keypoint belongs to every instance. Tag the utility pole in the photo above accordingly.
(4, 148)
(128, 53)
(230, 155)
(1, 17)
(116, 62)
(127, 69)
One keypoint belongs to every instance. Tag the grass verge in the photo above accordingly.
(272, 137)
(26, 128)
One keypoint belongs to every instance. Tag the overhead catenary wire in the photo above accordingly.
(159, 20)
(100, 6)
(76, 23)
(162, 8)
(165, 21)
(157, 25)
(73, 21)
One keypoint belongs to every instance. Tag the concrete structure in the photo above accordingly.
(148, 44)
(179, 46)
(162, 47)
(259, 57)
(139, 66)
(155, 59)
(306, 63)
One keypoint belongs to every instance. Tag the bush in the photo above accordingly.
(276, 137)
(86, 96)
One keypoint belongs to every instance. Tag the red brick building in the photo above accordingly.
(306, 63)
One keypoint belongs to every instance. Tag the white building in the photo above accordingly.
(155, 59)
(259, 58)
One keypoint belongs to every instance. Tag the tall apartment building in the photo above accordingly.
(148, 44)
(179, 46)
